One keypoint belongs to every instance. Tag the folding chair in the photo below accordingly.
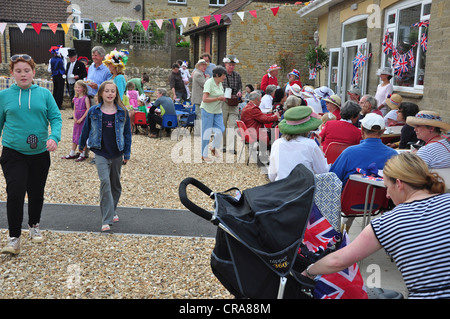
(333, 151)
(140, 119)
(186, 121)
(246, 139)
(362, 200)
(168, 122)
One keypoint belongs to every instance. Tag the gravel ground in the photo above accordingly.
(101, 266)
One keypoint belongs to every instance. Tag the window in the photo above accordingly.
(217, 3)
(403, 29)
(177, 1)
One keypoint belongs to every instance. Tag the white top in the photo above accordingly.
(266, 103)
(382, 94)
(436, 155)
(315, 104)
(285, 155)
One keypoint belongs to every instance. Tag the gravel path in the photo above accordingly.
(94, 265)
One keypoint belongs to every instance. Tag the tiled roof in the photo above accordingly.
(46, 11)
(231, 7)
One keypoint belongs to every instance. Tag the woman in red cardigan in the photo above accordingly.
(270, 77)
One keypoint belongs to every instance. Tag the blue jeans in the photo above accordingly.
(211, 123)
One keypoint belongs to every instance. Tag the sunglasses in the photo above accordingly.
(16, 57)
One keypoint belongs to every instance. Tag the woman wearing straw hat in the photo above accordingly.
(115, 61)
(333, 104)
(294, 147)
(270, 77)
(429, 128)
(391, 119)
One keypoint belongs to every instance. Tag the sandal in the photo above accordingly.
(206, 159)
(214, 152)
(80, 159)
(71, 156)
(106, 227)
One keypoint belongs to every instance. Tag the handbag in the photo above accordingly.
(233, 100)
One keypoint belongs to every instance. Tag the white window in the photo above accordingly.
(217, 3)
(177, 1)
(402, 24)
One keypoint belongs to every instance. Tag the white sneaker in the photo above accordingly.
(35, 234)
(13, 246)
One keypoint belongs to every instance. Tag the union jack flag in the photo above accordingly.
(346, 284)
(425, 23)
(402, 64)
(388, 46)
(359, 60)
(423, 42)
(312, 74)
(411, 58)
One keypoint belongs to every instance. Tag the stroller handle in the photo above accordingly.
(189, 204)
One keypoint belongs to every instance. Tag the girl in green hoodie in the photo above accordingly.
(26, 110)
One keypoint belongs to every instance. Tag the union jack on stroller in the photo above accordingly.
(270, 233)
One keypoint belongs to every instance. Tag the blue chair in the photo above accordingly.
(179, 107)
(168, 122)
(187, 121)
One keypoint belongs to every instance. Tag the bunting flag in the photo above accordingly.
(253, 13)
(145, 24)
(174, 23)
(22, 26)
(2, 27)
(411, 58)
(312, 74)
(37, 27)
(118, 25)
(388, 46)
(229, 15)
(359, 60)
(53, 27)
(105, 26)
(132, 25)
(207, 18)
(425, 23)
(196, 20)
(79, 26)
(423, 41)
(275, 10)
(241, 15)
(217, 17)
(184, 21)
(65, 27)
(159, 23)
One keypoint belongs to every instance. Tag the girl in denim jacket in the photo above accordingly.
(109, 132)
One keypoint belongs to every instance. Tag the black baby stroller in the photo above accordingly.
(259, 235)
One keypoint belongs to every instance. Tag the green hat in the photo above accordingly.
(298, 120)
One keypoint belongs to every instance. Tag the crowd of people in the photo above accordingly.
(308, 120)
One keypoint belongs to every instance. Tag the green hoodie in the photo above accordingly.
(25, 116)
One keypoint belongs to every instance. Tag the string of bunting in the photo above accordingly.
(145, 23)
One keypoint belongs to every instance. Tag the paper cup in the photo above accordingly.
(228, 93)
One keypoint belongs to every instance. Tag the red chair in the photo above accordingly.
(247, 138)
(362, 200)
(140, 118)
(333, 151)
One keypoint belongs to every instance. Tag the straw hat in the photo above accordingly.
(117, 58)
(201, 61)
(307, 92)
(298, 120)
(394, 101)
(385, 70)
(334, 99)
(428, 118)
(273, 67)
(296, 90)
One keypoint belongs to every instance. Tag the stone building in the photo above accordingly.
(256, 42)
(349, 26)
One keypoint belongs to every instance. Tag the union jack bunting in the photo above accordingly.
(312, 74)
(403, 64)
(411, 58)
(388, 46)
(423, 41)
(359, 60)
(319, 233)
(425, 23)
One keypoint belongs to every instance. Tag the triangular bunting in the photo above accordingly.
(253, 13)
(218, 17)
(174, 22)
(184, 21)
(145, 24)
(118, 25)
(22, 26)
(37, 27)
(53, 27)
(132, 25)
(79, 26)
(241, 15)
(2, 27)
(105, 26)
(275, 10)
(229, 15)
(207, 18)
(159, 23)
(196, 20)
(65, 27)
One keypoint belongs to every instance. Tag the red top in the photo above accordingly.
(268, 80)
(340, 131)
(255, 119)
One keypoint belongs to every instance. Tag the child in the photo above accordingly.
(109, 132)
(81, 104)
(133, 95)
(185, 75)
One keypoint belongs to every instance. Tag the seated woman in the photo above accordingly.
(408, 135)
(422, 259)
(267, 100)
(429, 128)
(166, 106)
(333, 104)
(343, 130)
(294, 147)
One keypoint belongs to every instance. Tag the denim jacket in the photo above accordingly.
(92, 129)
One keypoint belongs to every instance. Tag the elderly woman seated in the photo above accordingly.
(343, 130)
(429, 128)
(254, 119)
(294, 147)
(267, 100)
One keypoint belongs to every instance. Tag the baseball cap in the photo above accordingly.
(371, 120)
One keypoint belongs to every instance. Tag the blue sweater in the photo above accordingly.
(371, 150)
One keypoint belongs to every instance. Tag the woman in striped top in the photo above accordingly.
(414, 233)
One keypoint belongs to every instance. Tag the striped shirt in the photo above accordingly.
(436, 155)
(416, 236)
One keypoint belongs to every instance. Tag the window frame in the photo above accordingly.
(217, 4)
(181, 2)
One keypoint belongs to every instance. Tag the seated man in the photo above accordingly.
(255, 119)
(371, 150)
(368, 105)
(165, 105)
